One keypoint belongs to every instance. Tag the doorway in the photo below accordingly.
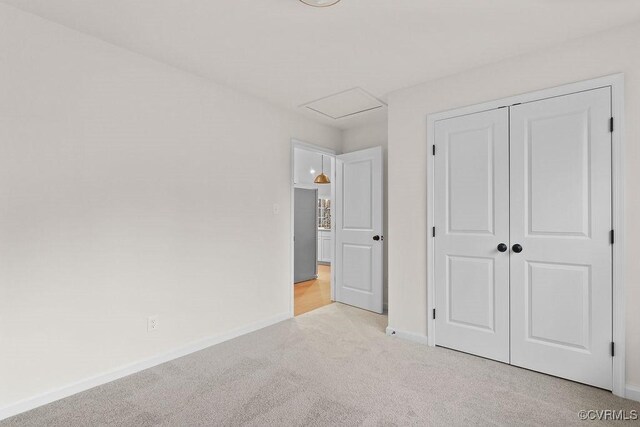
(525, 196)
(350, 235)
(313, 225)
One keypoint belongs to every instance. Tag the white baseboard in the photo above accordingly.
(87, 383)
(632, 392)
(410, 336)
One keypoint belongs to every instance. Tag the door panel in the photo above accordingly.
(358, 260)
(357, 198)
(471, 305)
(357, 268)
(561, 316)
(559, 291)
(470, 186)
(558, 160)
(472, 218)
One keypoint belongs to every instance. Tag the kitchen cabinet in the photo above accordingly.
(325, 246)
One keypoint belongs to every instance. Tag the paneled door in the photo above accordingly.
(561, 253)
(472, 233)
(358, 219)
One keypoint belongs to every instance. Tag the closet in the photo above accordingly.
(522, 248)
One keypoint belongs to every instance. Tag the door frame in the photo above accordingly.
(616, 83)
(296, 143)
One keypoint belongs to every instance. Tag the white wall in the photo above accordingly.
(368, 136)
(602, 54)
(129, 188)
(306, 161)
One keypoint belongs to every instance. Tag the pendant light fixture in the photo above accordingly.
(320, 3)
(322, 178)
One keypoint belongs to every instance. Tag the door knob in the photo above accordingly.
(376, 238)
(502, 247)
(516, 248)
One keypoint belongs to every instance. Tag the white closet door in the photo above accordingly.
(472, 219)
(561, 216)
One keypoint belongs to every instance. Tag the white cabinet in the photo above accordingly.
(325, 246)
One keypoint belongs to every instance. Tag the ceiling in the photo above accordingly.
(290, 54)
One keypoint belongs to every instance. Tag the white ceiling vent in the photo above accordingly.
(345, 104)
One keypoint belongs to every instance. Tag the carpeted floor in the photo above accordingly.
(332, 366)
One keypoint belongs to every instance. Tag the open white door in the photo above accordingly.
(358, 219)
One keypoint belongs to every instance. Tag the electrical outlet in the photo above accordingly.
(276, 209)
(153, 323)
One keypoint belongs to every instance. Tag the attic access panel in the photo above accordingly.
(344, 104)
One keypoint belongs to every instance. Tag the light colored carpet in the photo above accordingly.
(332, 366)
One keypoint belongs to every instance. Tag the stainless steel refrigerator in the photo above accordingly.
(305, 235)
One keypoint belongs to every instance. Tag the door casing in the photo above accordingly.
(616, 83)
(295, 143)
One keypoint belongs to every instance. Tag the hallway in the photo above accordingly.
(313, 294)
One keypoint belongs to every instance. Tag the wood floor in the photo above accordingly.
(313, 294)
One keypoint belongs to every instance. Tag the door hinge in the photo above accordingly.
(612, 236)
(433, 232)
(611, 124)
(434, 150)
(434, 313)
(613, 349)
